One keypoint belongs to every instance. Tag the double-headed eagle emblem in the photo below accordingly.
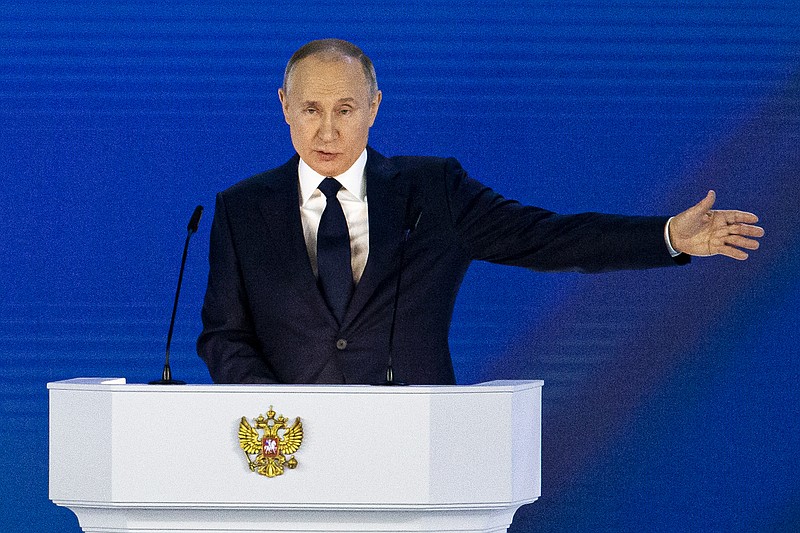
(268, 443)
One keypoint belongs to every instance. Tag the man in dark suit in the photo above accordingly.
(304, 270)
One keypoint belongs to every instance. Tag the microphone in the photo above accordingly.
(403, 244)
(166, 375)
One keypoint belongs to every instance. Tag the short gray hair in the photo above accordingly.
(333, 48)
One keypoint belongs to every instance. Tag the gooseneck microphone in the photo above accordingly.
(166, 375)
(390, 381)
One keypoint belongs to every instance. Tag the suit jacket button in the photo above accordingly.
(341, 344)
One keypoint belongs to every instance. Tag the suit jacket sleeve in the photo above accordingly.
(228, 343)
(493, 228)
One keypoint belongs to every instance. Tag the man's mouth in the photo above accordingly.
(326, 156)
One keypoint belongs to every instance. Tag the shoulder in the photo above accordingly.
(414, 165)
(421, 162)
(418, 161)
(278, 178)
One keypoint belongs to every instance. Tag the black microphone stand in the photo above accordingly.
(166, 375)
(390, 381)
(389, 370)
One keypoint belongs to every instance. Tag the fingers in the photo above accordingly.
(702, 231)
(733, 253)
(735, 239)
(742, 242)
(738, 217)
(746, 229)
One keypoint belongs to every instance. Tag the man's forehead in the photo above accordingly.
(338, 101)
(329, 56)
(327, 74)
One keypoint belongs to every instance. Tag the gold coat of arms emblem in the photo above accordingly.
(269, 444)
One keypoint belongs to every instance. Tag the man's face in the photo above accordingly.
(329, 110)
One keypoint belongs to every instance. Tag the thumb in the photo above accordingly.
(706, 203)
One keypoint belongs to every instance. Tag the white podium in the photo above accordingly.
(148, 458)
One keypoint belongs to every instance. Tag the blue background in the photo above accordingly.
(670, 400)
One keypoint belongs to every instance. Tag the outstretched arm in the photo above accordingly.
(702, 231)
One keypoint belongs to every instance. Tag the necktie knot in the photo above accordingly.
(329, 187)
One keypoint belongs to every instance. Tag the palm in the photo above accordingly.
(701, 231)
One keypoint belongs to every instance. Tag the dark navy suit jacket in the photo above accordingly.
(265, 320)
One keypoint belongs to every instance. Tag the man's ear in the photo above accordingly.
(284, 104)
(373, 107)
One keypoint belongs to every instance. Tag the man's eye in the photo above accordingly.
(310, 110)
(345, 111)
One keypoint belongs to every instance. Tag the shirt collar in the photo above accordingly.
(353, 179)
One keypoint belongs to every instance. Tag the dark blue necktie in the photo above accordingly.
(333, 252)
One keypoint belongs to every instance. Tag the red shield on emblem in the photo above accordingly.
(269, 446)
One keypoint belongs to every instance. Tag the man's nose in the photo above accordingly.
(327, 129)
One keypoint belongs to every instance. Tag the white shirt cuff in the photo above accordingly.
(672, 251)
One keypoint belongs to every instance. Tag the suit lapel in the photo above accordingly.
(387, 197)
(281, 213)
(279, 206)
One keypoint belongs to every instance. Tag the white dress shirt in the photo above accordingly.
(352, 196)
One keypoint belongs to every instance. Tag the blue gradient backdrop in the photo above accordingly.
(670, 398)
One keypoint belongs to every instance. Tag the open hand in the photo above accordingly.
(702, 231)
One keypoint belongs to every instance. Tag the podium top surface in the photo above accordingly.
(121, 385)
